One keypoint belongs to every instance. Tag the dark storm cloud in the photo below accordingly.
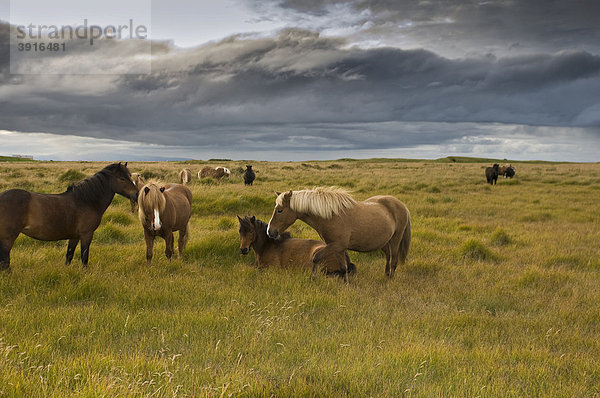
(455, 27)
(301, 90)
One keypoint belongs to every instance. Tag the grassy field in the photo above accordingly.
(500, 297)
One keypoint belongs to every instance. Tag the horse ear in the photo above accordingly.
(162, 189)
(253, 218)
(146, 189)
(277, 193)
(125, 164)
(288, 194)
(239, 218)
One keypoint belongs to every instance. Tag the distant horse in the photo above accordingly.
(185, 176)
(74, 214)
(378, 223)
(509, 172)
(284, 251)
(491, 174)
(163, 210)
(249, 175)
(139, 182)
(216, 172)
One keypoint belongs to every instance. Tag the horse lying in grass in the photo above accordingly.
(139, 182)
(378, 223)
(216, 172)
(285, 251)
(164, 209)
(74, 214)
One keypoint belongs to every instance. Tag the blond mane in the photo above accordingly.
(323, 202)
(154, 199)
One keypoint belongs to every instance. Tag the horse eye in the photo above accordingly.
(279, 210)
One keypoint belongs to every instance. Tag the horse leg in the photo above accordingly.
(71, 250)
(5, 246)
(169, 242)
(388, 255)
(183, 239)
(133, 202)
(85, 247)
(149, 246)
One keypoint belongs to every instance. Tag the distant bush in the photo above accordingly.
(71, 176)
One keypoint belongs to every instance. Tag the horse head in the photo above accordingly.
(283, 215)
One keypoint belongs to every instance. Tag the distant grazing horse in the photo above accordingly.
(165, 209)
(284, 251)
(509, 172)
(185, 176)
(139, 182)
(74, 214)
(249, 175)
(217, 172)
(378, 223)
(491, 174)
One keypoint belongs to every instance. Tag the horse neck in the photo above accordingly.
(261, 242)
(99, 202)
(313, 221)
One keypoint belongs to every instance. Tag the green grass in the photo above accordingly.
(499, 297)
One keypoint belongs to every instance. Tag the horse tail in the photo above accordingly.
(351, 268)
(405, 242)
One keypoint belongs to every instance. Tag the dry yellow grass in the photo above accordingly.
(499, 298)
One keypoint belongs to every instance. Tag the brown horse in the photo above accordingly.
(185, 176)
(378, 223)
(163, 210)
(139, 182)
(74, 214)
(214, 172)
(284, 251)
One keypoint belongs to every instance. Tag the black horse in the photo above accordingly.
(74, 214)
(249, 175)
(509, 172)
(491, 174)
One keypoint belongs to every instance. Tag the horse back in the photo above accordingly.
(179, 200)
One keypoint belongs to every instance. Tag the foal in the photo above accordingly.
(284, 251)
(163, 210)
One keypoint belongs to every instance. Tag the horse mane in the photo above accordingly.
(91, 188)
(148, 201)
(324, 202)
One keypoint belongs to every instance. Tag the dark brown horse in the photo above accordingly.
(163, 210)
(378, 223)
(284, 251)
(491, 174)
(74, 214)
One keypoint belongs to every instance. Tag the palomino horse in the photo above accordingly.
(378, 223)
(139, 182)
(185, 176)
(284, 251)
(163, 210)
(74, 214)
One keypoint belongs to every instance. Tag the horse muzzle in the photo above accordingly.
(244, 250)
(273, 233)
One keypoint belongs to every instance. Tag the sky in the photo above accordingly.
(313, 79)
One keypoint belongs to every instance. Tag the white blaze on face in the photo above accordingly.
(156, 224)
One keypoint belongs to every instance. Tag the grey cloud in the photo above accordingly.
(302, 90)
(457, 27)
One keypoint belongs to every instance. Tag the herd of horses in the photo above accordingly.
(378, 223)
(492, 173)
